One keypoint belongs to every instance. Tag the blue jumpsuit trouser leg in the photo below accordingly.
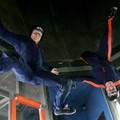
(25, 74)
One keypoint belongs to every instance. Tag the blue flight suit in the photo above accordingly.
(28, 65)
(102, 69)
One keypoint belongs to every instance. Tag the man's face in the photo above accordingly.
(110, 88)
(36, 36)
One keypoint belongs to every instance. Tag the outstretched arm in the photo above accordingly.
(105, 47)
(81, 78)
(9, 37)
(89, 80)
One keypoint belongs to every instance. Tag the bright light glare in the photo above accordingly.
(117, 109)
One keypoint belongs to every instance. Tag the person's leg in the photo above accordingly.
(6, 63)
(105, 47)
(60, 99)
(25, 74)
(11, 61)
(64, 89)
(50, 79)
(63, 93)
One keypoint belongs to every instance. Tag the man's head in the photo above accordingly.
(111, 91)
(36, 34)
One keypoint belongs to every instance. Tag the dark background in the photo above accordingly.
(70, 27)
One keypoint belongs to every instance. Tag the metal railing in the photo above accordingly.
(26, 101)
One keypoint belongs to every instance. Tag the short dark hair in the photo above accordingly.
(113, 97)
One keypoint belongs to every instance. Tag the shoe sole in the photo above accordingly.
(65, 113)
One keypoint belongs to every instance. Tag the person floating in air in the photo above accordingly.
(103, 73)
(29, 67)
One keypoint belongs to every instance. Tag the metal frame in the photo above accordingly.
(4, 102)
(26, 101)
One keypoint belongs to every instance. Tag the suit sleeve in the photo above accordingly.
(89, 80)
(9, 37)
(105, 47)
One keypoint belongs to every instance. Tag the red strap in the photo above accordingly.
(109, 39)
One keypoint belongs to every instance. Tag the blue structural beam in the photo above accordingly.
(96, 105)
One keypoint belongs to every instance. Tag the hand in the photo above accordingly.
(55, 71)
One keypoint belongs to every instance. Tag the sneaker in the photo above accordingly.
(113, 12)
(65, 111)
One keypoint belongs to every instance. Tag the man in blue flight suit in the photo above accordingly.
(103, 73)
(28, 66)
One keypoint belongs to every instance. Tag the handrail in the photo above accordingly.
(26, 101)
